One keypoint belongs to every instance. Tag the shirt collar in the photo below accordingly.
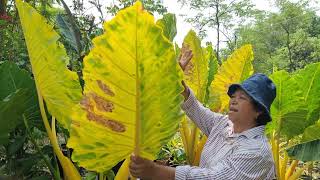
(253, 132)
(250, 133)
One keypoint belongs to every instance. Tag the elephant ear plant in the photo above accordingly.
(55, 84)
(131, 98)
(294, 130)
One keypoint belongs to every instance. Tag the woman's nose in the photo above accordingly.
(233, 101)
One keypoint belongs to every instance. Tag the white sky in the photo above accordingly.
(184, 27)
(174, 7)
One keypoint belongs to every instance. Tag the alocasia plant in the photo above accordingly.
(131, 101)
(55, 84)
(295, 112)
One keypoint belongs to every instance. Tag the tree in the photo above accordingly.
(287, 39)
(12, 46)
(292, 16)
(222, 15)
(153, 6)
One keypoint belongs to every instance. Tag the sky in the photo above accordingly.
(184, 27)
(174, 7)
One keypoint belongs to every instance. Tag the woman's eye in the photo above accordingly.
(242, 97)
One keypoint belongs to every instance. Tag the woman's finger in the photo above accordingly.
(136, 166)
(135, 173)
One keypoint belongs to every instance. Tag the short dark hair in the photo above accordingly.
(263, 118)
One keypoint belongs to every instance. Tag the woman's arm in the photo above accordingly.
(245, 165)
(202, 116)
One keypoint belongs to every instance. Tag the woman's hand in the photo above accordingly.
(142, 168)
(185, 56)
(184, 59)
(146, 169)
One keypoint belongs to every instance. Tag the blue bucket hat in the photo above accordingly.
(260, 88)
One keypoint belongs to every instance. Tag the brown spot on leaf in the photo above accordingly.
(116, 126)
(112, 124)
(105, 88)
(86, 103)
(102, 103)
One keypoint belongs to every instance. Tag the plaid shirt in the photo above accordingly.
(227, 155)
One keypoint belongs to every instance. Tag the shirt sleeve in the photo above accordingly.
(239, 166)
(204, 118)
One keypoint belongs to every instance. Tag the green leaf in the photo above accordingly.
(59, 87)
(109, 174)
(11, 109)
(13, 78)
(67, 31)
(168, 25)
(235, 69)
(311, 133)
(130, 74)
(16, 144)
(213, 69)
(25, 164)
(288, 111)
(309, 82)
(90, 176)
(309, 151)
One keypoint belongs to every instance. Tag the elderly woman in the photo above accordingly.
(236, 147)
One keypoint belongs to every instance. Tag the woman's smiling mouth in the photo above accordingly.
(233, 109)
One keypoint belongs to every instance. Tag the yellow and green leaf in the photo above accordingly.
(168, 25)
(197, 77)
(131, 101)
(59, 87)
(235, 69)
(196, 72)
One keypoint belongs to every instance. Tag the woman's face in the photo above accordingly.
(241, 108)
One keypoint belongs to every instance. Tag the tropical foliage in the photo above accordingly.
(118, 102)
(295, 114)
(116, 90)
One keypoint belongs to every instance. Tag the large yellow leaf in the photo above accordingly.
(196, 72)
(196, 76)
(235, 69)
(132, 92)
(59, 87)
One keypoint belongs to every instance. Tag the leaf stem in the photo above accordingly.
(69, 170)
